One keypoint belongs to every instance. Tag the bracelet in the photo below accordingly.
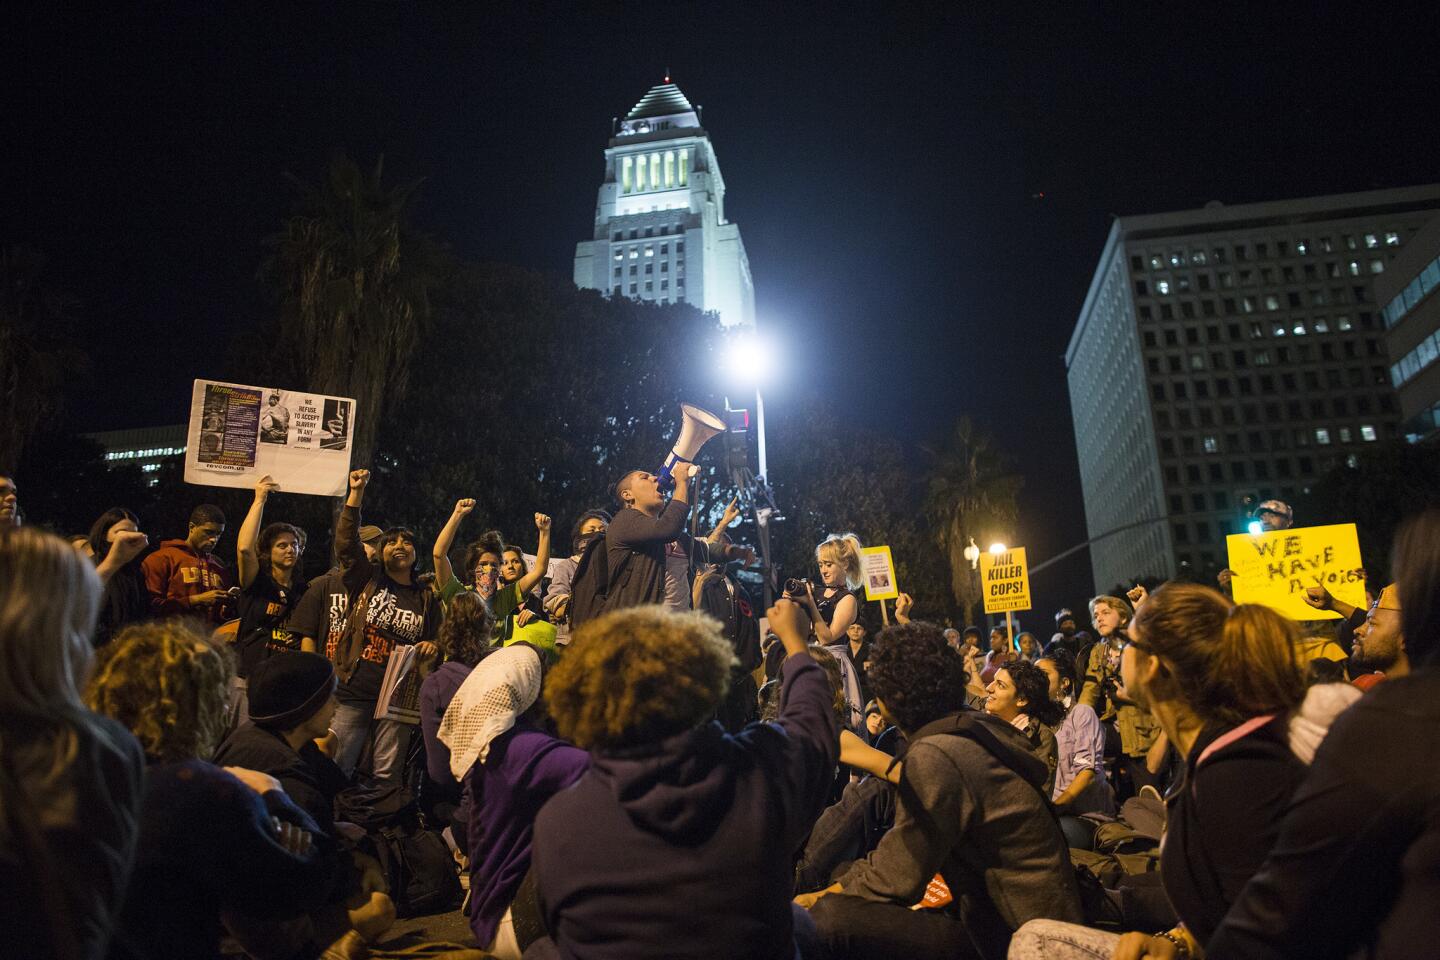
(1182, 948)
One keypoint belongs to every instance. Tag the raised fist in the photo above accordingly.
(542, 522)
(358, 479)
(462, 507)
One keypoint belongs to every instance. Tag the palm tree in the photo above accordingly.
(35, 356)
(353, 285)
(971, 493)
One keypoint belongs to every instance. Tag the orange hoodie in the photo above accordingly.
(176, 572)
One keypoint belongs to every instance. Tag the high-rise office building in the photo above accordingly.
(660, 227)
(1411, 311)
(1228, 355)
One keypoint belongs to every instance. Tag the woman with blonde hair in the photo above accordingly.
(833, 606)
(1224, 683)
(70, 781)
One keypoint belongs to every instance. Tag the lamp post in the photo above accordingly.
(996, 549)
(749, 358)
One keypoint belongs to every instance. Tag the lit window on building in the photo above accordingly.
(1354, 268)
(649, 251)
(1198, 257)
(1177, 259)
(1272, 302)
(1377, 266)
(655, 171)
(1345, 436)
(634, 253)
(1349, 242)
(1321, 325)
(640, 167)
(1392, 239)
(1302, 247)
(1367, 433)
(1278, 330)
(627, 182)
(1322, 436)
(684, 166)
(1262, 358)
(669, 169)
(1162, 287)
(1371, 241)
(1343, 324)
(1212, 445)
(1157, 263)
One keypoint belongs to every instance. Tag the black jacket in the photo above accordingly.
(308, 777)
(1356, 870)
(635, 545)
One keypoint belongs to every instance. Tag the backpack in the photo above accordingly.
(419, 871)
(590, 586)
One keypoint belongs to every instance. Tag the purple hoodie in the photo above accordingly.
(685, 848)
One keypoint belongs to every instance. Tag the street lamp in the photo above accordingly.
(749, 358)
(997, 548)
(972, 553)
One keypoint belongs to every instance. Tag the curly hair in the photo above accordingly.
(636, 676)
(916, 673)
(465, 631)
(1033, 686)
(490, 542)
(169, 683)
(1064, 662)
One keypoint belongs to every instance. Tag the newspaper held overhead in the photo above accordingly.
(240, 433)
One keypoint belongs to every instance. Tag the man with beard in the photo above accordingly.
(387, 606)
(1379, 649)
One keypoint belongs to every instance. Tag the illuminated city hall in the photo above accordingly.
(660, 228)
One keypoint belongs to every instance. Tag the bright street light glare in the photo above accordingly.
(1256, 528)
(749, 356)
(997, 548)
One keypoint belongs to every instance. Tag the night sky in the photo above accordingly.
(922, 191)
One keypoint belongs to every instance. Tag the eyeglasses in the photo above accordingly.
(1130, 642)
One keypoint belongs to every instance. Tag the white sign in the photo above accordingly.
(240, 433)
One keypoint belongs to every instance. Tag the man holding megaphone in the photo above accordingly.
(648, 551)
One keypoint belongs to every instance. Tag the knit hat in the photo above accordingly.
(288, 688)
(1389, 599)
(1064, 614)
(370, 533)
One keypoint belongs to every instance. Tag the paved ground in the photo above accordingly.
(451, 927)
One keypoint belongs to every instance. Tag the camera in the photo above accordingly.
(795, 586)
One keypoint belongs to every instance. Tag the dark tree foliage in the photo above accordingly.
(1385, 486)
(531, 395)
(832, 477)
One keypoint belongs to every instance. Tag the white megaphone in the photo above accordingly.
(696, 427)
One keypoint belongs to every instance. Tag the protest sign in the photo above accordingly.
(877, 570)
(1276, 568)
(1005, 580)
(239, 434)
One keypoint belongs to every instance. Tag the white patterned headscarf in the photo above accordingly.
(502, 687)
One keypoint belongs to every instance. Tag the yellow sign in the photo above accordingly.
(1277, 568)
(877, 570)
(1005, 580)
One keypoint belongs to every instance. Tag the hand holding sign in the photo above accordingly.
(1281, 569)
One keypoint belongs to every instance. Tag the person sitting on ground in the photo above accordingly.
(1020, 695)
(971, 809)
(71, 787)
(463, 640)
(185, 577)
(1379, 649)
(1366, 810)
(115, 543)
(292, 699)
(1224, 682)
(1002, 651)
(497, 745)
(679, 841)
(1080, 785)
(272, 582)
(1103, 691)
(219, 848)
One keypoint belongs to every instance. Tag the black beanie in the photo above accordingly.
(288, 688)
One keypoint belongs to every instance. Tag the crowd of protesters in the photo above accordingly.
(620, 755)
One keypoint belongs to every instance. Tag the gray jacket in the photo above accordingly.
(984, 828)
